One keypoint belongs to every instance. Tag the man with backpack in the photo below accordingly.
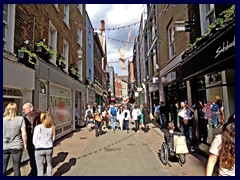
(113, 115)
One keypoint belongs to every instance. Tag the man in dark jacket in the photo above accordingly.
(32, 119)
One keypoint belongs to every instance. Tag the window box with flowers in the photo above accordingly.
(61, 62)
(74, 72)
(43, 51)
(26, 57)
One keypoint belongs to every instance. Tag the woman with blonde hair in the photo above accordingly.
(43, 137)
(223, 148)
(14, 138)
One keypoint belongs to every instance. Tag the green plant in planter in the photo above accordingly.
(61, 61)
(31, 56)
(48, 50)
(228, 16)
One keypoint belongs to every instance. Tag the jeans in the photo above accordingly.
(16, 158)
(125, 124)
(136, 125)
(215, 119)
(98, 128)
(40, 155)
(187, 129)
(161, 121)
(113, 122)
(31, 150)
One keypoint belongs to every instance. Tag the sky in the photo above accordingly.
(117, 16)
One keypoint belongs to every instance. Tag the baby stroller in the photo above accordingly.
(174, 147)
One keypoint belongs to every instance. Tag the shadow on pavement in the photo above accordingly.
(65, 167)
(61, 156)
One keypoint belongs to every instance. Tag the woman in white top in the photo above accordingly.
(136, 117)
(223, 148)
(120, 117)
(43, 137)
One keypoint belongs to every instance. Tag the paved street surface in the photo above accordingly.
(117, 153)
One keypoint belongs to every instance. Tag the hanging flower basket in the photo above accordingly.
(27, 57)
(61, 62)
(44, 52)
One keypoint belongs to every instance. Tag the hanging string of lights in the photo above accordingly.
(118, 28)
(164, 10)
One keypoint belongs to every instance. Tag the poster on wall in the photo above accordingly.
(60, 109)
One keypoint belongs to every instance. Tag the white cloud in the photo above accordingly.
(116, 15)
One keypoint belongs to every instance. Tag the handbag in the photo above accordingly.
(98, 118)
(151, 116)
(180, 145)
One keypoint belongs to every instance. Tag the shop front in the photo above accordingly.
(211, 72)
(60, 94)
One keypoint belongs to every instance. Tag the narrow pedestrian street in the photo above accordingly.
(117, 153)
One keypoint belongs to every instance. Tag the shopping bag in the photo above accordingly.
(151, 116)
(180, 145)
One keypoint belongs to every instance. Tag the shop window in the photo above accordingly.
(12, 96)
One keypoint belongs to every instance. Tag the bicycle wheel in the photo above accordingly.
(164, 153)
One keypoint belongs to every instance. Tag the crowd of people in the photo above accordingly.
(115, 116)
(35, 131)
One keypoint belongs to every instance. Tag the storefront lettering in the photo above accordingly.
(224, 48)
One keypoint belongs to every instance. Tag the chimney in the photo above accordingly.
(102, 26)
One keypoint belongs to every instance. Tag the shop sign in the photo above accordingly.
(225, 47)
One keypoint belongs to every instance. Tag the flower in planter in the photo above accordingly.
(23, 53)
(61, 62)
(42, 47)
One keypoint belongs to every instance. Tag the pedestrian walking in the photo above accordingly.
(32, 119)
(187, 122)
(89, 118)
(203, 121)
(120, 117)
(43, 138)
(127, 117)
(146, 119)
(98, 123)
(106, 118)
(157, 113)
(113, 115)
(14, 138)
(223, 149)
(141, 125)
(136, 117)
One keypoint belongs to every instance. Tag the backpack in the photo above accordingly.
(215, 108)
(113, 111)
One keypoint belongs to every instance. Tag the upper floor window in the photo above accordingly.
(210, 13)
(171, 41)
(65, 52)
(8, 26)
(79, 40)
(207, 16)
(52, 38)
(66, 14)
(80, 8)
